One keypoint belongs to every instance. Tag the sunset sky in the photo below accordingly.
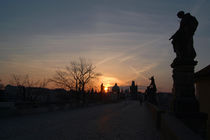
(125, 39)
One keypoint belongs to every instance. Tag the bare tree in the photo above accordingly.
(30, 83)
(43, 83)
(86, 72)
(23, 80)
(16, 80)
(74, 73)
(62, 79)
(76, 76)
(20, 82)
(25, 84)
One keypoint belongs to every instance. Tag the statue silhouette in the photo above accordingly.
(183, 40)
(151, 91)
(102, 88)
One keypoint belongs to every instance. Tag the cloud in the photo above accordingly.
(143, 69)
(126, 58)
(110, 58)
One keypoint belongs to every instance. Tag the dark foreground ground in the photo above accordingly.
(119, 121)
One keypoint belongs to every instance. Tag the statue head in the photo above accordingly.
(180, 14)
(152, 78)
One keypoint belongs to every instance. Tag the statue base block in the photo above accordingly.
(185, 104)
(196, 121)
(184, 90)
(181, 105)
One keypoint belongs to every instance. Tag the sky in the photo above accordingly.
(125, 39)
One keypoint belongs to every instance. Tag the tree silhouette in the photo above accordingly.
(26, 81)
(25, 84)
(76, 76)
(62, 79)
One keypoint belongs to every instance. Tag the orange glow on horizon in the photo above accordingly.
(109, 81)
(106, 89)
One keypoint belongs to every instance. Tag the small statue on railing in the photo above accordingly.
(151, 91)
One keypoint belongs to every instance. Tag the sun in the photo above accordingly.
(105, 89)
(108, 82)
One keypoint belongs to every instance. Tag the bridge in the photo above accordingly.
(126, 120)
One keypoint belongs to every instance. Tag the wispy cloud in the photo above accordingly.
(123, 59)
(107, 59)
(143, 69)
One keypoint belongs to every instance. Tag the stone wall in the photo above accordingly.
(203, 95)
(169, 127)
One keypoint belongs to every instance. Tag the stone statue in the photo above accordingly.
(183, 40)
(185, 105)
(102, 88)
(116, 88)
(152, 84)
(134, 90)
(151, 91)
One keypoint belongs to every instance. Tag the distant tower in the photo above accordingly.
(133, 88)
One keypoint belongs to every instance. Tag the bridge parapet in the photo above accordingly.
(170, 127)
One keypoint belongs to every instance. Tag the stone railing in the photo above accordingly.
(169, 127)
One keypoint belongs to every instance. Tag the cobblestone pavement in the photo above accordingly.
(119, 121)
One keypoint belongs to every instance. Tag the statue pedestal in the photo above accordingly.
(196, 121)
(184, 90)
(185, 105)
